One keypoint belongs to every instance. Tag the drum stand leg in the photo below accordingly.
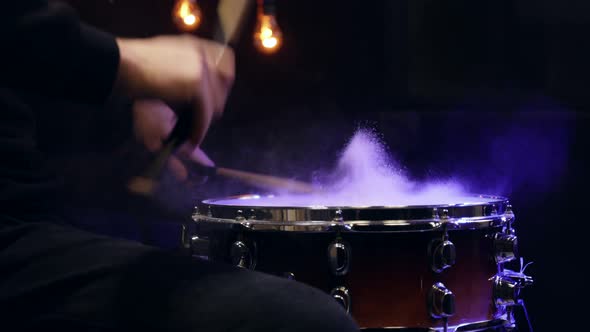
(446, 324)
(521, 317)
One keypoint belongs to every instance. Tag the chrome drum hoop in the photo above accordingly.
(495, 325)
(360, 219)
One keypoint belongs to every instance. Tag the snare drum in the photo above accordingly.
(419, 267)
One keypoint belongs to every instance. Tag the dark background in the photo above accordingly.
(493, 93)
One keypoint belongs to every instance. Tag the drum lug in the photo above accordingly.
(505, 247)
(242, 220)
(194, 245)
(185, 237)
(240, 216)
(339, 257)
(442, 253)
(338, 216)
(441, 301)
(195, 215)
(494, 211)
(252, 215)
(445, 220)
(435, 214)
(342, 296)
(509, 217)
(200, 246)
(242, 255)
(338, 224)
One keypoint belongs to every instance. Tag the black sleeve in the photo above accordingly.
(46, 49)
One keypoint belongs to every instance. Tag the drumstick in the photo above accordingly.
(146, 185)
(231, 15)
(264, 181)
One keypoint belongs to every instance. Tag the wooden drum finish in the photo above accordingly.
(389, 275)
(390, 279)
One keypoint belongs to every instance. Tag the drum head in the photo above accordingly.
(308, 212)
(340, 201)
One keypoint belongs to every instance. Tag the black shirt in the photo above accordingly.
(46, 52)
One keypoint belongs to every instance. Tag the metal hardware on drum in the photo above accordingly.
(195, 215)
(242, 256)
(252, 215)
(185, 237)
(509, 214)
(441, 301)
(289, 275)
(507, 286)
(399, 329)
(508, 283)
(240, 216)
(339, 257)
(442, 253)
(200, 246)
(338, 216)
(494, 325)
(506, 291)
(494, 210)
(435, 214)
(322, 218)
(510, 218)
(342, 296)
(505, 247)
(338, 223)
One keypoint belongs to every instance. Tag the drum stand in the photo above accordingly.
(521, 317)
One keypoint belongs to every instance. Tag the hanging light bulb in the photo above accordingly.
(267, 35)
(186, 15)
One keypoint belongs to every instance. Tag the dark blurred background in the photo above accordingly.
(490, 92)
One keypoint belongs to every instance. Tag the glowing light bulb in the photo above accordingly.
(268, 35)
(186, 15)
(190, 19)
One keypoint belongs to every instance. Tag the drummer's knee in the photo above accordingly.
(289, 305)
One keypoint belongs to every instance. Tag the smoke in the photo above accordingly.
(435, 158)
(533, 157)
(366, 175)
(526, 152)
(498, 154)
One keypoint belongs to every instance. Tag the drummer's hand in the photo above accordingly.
(182, 71)
(153, 121)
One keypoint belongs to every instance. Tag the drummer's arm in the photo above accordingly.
(47, 50)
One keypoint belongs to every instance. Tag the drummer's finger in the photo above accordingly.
(196, 155)
(182, 172)
(200, 157)
(152, 122)
(177, 168)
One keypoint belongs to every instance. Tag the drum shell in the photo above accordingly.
(389, 276)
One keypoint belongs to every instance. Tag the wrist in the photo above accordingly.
(129, 72)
